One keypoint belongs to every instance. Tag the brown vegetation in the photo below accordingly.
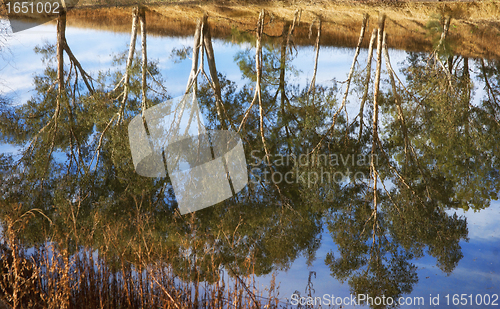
(474, 29)
(54, 276)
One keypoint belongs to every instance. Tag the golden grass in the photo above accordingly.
(475, 27)
(65, 272)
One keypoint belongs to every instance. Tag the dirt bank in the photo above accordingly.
(474, 30)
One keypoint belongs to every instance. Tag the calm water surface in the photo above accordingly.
(433, 228)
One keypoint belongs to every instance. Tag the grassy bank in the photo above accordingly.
(474, 31)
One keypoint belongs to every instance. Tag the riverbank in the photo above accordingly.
(474, 29)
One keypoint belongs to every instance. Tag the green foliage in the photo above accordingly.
(180, 54)
(434, 28)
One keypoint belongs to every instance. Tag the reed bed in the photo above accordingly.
(51, 279)
(61, 274)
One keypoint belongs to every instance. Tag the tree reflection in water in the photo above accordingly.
(74, 189)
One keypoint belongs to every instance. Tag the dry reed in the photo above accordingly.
(53, 276)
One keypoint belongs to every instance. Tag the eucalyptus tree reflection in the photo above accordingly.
(442, 156)
(74, 160)
(273, 216)
(489, 74)
(376, 254)
(455, 135)
(377, 247)
(76, 167)
(91, 196)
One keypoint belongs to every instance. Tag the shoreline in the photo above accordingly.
(474, 32)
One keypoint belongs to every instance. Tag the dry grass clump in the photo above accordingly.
(60, 273)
